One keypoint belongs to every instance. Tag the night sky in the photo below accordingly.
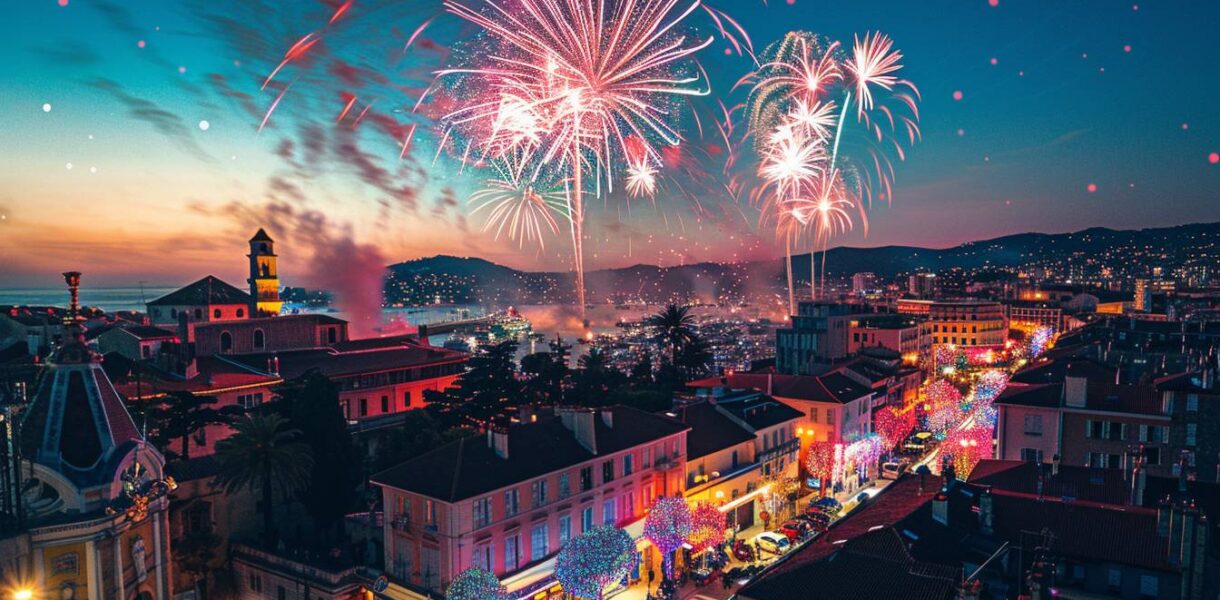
(132, 150)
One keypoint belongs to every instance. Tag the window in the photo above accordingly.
(609, 515)
(1033, 424)
(249, 401)
(216, 314)
(198, 518)
(510, 503)
(483, 556)
(1148, 586)
(608, 471)
(364, 407)
(1031, 455)
(198, 314)
(256, 583)
(331, 335)
(565, 529)
(1192, 402)
(538, 542)
(830, 416)
(1152, 455)
(510, 553)
(1192, 431)
(226, 342)
(1093, 429)
(241, 312)
(629, 505)
(430, 513)
(259, 339)
(586, 479)
(482, 512)
(813, 415)
(538, 492)
(586, 519)
(628, 464)
(1116, 431)
(1114, 578)
(647, 456)
(146, 351)
(565, 485)
(406, 399)
(385, 404)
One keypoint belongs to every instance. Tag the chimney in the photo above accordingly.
(770, 378)
(497, 439)
(986, 512)
(1055, 465)
(940, 508)
(273, 365)
(581, 423)
(608, 417)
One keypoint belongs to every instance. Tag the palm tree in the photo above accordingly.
(263, 456)
(675, 327)
(595, 360)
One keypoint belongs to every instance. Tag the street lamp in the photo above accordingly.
(23, 594)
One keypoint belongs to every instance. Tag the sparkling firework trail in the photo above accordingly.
(515, 207)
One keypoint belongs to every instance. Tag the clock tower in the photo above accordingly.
(264, 280)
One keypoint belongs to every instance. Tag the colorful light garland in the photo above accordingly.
(707, 527)
(476, 583)
(942, 406)
(667, 526)
(966, 447)
(595, 559)
(893, 424)
(820, 461)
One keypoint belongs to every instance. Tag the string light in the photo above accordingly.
(667, 526)
(476, 583)
(707, 527)
(595, 559)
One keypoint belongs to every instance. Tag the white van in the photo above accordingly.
(775, 543)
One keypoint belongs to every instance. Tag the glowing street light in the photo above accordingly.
(23, 594)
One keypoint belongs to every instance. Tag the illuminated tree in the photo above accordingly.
(942, 405)
(966, 447)
(893, 424)
(707, 527)
(476, 584)
(667, 526)
(820, 462)
(590, 562)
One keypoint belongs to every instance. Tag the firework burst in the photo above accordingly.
(568, 82)
(515, 206)
(797, 115)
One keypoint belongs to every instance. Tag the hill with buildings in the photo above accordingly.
(1097, 255)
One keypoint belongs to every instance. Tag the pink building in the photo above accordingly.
(507, 501)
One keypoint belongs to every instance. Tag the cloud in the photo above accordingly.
(167, 123)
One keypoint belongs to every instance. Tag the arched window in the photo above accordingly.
(226, 341)
(216, 314)
(198, 314)
(241, 312)
(258, 339)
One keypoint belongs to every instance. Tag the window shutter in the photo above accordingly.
(1088, 428)
(1123, 431)
(1143, 433)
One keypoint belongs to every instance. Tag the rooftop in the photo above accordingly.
(205, 292)
(470, 467)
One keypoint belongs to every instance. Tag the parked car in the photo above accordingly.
(775, 543)
(892, 470)
(816, 515)
(828, 505)
(818, 525)
(742, 551)
(797, 529)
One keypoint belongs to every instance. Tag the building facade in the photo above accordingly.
(509, 500)
(961, 322)
(818, 335)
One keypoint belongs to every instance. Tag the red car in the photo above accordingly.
(793, 528)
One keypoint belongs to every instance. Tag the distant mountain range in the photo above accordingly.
(1122, 252)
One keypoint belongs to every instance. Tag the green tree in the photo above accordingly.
(641, 373)
(264, 457)
(673, 327)
(418, 433)
(595, 379)
(311, 404)
(476, 584)
(180, 415)
(488, 389)
(545, 374)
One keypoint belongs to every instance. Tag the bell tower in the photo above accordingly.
(264, 280)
